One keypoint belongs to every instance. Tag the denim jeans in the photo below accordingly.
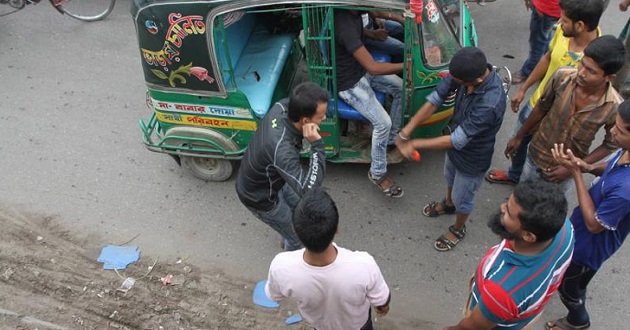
(540, 32)
(280, 218)
(532, 172)
(361, 97)
(573, 293)
(392, 46)
(518, 160)
(464, 186)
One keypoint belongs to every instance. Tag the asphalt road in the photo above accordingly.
(71, 95)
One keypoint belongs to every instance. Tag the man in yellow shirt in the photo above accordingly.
(577, 27)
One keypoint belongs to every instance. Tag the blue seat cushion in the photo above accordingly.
(237, 35)
(348, 112)
(260, 66)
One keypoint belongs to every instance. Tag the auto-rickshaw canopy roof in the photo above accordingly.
(392, 4)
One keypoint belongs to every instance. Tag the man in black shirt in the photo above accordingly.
(358, 75)
(271, 178)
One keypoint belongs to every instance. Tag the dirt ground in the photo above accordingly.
(50, 279)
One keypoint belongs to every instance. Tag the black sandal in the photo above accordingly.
(444, 243)
(430, 210)
(564, 325)
(394, 190)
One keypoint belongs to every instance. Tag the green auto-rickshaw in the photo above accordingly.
(214, 67)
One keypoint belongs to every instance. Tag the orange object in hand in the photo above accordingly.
(416, 155)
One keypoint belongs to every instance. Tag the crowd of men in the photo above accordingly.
(541, 249)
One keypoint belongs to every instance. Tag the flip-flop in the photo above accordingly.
(500, 177)
(564, 325)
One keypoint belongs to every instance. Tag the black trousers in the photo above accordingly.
(573, 293)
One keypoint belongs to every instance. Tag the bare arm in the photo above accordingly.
(537, 74)
(576, 166)
(597, 154)
(375, 68)
(384, 309)
(421, 115)
(440, 142)
(532, 121)
(389, 16)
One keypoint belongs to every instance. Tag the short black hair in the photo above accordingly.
(468, 64)
(608, 52)
(304, 100)
(587, 11)
(543, 208)
(315, 220)
(624, 113)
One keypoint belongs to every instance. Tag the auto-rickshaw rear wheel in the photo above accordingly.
(205, 168)
(210, 169)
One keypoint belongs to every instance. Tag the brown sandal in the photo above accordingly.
(393, 190)
(445, 243)
(430, 210)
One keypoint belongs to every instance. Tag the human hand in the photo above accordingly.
(511, 147)
(310, 131)
(382, 310)
(517, 98)
(378, 23)
(406, 148)
(568, 160)
(623, 5)
(379, 34)
(528, 5)
(557, 174)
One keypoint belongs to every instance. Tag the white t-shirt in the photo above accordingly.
(337, 296)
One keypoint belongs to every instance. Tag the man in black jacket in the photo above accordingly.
(271, 178)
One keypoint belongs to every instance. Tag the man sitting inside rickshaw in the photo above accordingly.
(358, 75)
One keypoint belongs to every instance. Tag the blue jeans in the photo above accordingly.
(361, 97)
(392, 45)
(464, 186)
(540, 32)
(280, 218)
(573, 293)
(518, 160)
(532, 172)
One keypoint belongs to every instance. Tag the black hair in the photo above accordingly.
(315, 220)
(587, 11)
(304, 100)
(624, 112)
(543, 208)
(608, 52)
(468, 64)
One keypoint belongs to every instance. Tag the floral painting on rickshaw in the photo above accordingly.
(174, 48)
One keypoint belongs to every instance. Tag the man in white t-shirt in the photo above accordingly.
(333, 287)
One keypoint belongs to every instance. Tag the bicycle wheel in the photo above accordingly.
(86, 10)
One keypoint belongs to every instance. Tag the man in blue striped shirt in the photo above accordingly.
(516, 278)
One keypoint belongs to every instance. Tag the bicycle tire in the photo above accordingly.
(87, 10)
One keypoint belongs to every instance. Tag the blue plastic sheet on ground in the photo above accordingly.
(118, 257)
(295, 318)
(260, 297)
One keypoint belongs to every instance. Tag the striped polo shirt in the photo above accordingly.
(511, 289)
